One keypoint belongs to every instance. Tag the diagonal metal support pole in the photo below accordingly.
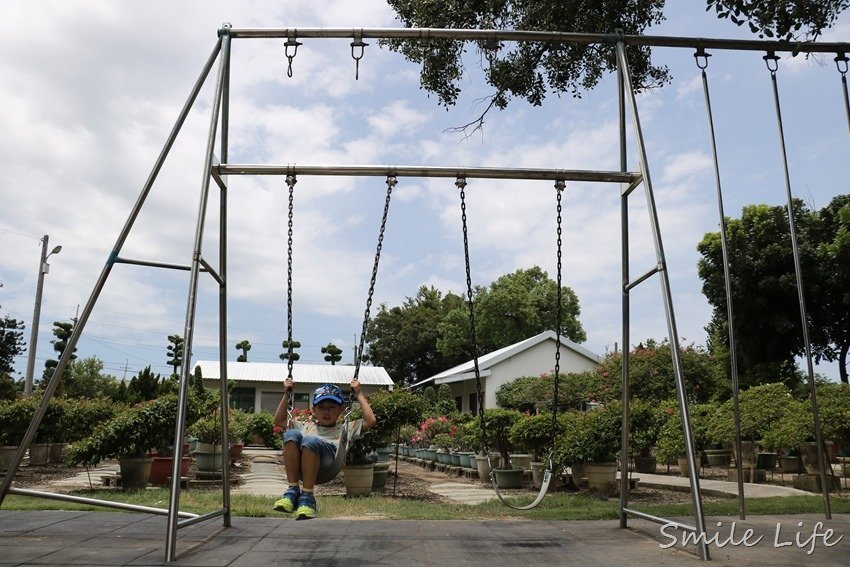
(668, 308)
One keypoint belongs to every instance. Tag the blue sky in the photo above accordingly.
(94, 88)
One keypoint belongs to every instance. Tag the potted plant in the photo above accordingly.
(129, 436)
(533, 433)
(210, 448)
(671, 441)
(497, 424)
(645, 420)
(593, 438)
(238, 429)
(15, 417)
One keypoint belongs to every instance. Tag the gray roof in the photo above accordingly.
(491, 359)
(308, 373)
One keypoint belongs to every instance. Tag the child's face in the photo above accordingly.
(327, 412)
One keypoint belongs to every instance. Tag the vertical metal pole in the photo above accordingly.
(800, 293)
(36, 315)
(668, 308)
(728, 281)
(104, 274)
(624, 245)
(189, 331)
(841, 61)
(222, 290)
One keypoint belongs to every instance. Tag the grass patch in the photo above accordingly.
(553, 507)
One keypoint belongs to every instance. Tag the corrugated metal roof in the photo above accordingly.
(493, 358)
(309, 373)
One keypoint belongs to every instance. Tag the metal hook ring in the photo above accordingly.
(701, 58)
(841, 63)
(460, 182)
(771, 57)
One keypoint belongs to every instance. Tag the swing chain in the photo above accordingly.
(357, 56)
(701, 58)
(460, 183)
(772, 62)
(290, 182)
(841, 63)
(392, 181)
(291, 42)
(560, 184)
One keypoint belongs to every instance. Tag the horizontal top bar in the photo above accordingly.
(428, 171)
(543, 36)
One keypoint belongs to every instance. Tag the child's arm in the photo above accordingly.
(368, 417)
(283, 407)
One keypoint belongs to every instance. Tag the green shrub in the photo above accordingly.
(592, 436)
(262, 425)
(533, 433)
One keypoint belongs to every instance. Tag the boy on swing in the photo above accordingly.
(310, 448)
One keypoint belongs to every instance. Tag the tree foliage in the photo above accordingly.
(527, 70)
(786, 19)
(768, 332)
(290, 347)
(144, 386)
(403, 339)
(12, 343)
(333, 353)
(87, 380)
(175, 353)
(531, 70)
(62, 332)
(513, 308)
(244, 346)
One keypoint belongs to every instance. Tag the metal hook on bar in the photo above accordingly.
(560, 185)
(460, 182)
(392, 180)
(358, 42)
(841, 62)
(701, 58)
(771, 57)
(291, 42)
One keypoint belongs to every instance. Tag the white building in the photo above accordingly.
(531, 357)
(259, 385)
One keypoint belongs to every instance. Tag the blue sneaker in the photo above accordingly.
(289, 500)
(306, 506)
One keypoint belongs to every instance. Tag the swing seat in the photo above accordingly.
(332, 472)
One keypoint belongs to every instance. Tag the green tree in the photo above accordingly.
(403, 339)
(768, 335)
(62, 332)
(831, 309)
(786, 19)
(175, 353)
(333, 353)
(527, 70)
(11, 345)
(144, 386)
(515, 307)
(286, 346)
(532, 70)
(244, 346)
(87, 380)
(198, 382)
(652, 378)
(445, 400)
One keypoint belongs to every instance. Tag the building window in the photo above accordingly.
(459, 403)
(473, 404)
(242, 399)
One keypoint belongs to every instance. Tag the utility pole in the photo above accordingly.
(43, 268)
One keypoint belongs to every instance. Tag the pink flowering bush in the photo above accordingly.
(431, 428)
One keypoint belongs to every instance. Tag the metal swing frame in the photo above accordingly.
(217, 172)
